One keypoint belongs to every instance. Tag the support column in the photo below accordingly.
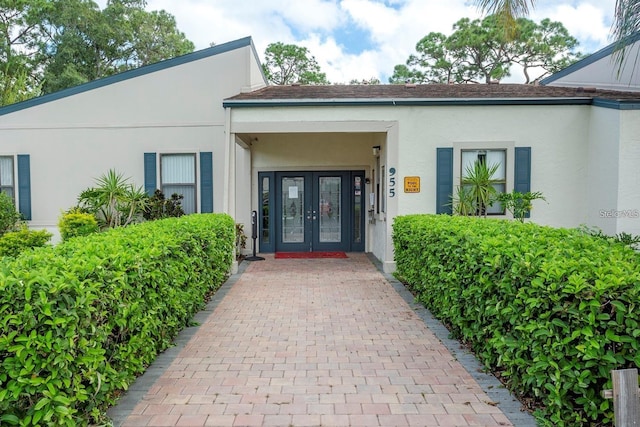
(229, 190)
(392, 161)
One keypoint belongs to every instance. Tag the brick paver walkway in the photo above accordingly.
(309, 343)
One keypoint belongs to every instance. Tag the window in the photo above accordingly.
(6, 176)
(266, 200)
(491, 158)
(381, 187)
(178, 175)
(383, 191)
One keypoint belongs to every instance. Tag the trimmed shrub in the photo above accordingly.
(83, 319)
(13, 243)
(9, 216)
(76, 223)
(551, 311)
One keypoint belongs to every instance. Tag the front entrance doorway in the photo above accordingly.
(312, 211)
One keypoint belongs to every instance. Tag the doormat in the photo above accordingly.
(288, 255)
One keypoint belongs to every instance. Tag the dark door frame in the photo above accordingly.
(353, 218)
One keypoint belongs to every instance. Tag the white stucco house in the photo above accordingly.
(326, 168)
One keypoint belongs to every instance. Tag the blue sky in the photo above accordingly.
(360, 39)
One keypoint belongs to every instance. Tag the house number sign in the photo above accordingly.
(392, 182)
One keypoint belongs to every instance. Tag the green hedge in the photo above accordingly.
(13, 243)
(80, 321)
(552, 311)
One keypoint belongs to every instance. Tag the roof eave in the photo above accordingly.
(254, 103)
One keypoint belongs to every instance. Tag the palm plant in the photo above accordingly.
(507, 12)
(114, 201)
(479, 182)
(462, 202)
(626, 22)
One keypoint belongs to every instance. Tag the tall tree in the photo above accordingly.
(626, 20)
(87, 43)
(20, 37)
(547, 46)
(479, 51)
(48, 45)
(289, 63)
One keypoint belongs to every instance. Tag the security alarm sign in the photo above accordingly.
(411, 184)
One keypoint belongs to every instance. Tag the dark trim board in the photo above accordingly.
(427, 102)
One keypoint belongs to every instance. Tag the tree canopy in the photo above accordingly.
(288, 63)
(626, 19)
(21, 36)
(48, 45)
(479, 51)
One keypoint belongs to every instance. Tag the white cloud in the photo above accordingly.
(393, 26)
(395, 32)
(588, 21)
(339, 66)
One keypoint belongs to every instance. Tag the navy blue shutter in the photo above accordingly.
(150, 184)
(444, 180)
(206, 182)
(522, 171)
(24, 186)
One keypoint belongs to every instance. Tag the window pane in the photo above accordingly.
(6, 171)
(265, 209)
(292, 209)
(178, 169)
(491, 158)
(357, 210)
(468, 160)
(383, 193)
(178, 174)
(497, 157)
(497, 208)
(189, 193)
(8, 191)
(330, 209)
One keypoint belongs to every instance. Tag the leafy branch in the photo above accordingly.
(519, 204)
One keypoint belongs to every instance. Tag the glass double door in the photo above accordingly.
(318, 211)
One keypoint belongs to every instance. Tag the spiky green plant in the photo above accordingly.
(114, 201)
(479, 182)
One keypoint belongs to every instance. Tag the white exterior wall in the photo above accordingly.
(243, 192)
(558, 136)
(602, 167)
(64, 162)
(380, 228)
(73, 140)
(628, 208)
(613, 195)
